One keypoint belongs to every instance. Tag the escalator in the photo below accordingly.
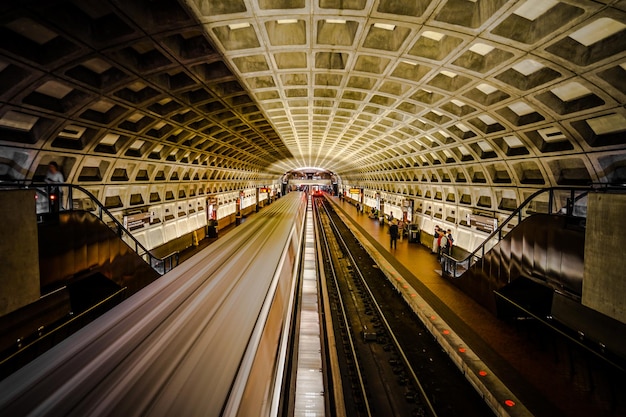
(86, 267)
(534, 274)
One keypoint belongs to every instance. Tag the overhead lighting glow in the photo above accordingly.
(597, 31)
(287, 21)
(481, 49)
(235, 26)
(436, 36)
(412, 63)
(336, 21)
(384, 26)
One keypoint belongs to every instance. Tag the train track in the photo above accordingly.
(390, 364)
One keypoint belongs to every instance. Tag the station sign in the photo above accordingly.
(265, 190)
(137, 221)
(355, 191)
(483, 223)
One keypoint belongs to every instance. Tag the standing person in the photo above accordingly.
(393, 235)
(450, 241)
(436, 240)
(54, 176)
(443, 244)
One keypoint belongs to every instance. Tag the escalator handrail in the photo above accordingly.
(101, 209)
(517, 213)
(597, 187)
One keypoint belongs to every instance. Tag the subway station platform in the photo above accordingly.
(539, 382)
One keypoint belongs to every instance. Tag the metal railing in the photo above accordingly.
(54, 198)
(569, 201)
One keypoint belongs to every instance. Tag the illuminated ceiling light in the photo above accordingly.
(385, 26)
(135, 117)
(532, 9)
(412, 63)
(484, 146)
(286, 21)
(336, 21)
(481, 49)
(527, 67)
(520, 108)
(235, 26)
(513, 141)
(137, 144)
(462, 127)
(597, 31)
(571, 91)
(449, 74)
(109, 139)
(488, 120)
(436, 36)
(486, 88)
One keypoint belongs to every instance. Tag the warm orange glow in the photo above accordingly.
(509, 403)
(462, 349)
(405, 286)
(446, 331)
(433, 317)
(482, 373)
(413, 295)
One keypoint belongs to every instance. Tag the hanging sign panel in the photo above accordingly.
(483, 223)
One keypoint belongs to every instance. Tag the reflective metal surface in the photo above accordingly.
(80, 244)
(545, 248)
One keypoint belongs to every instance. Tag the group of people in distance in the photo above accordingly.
(442, 242)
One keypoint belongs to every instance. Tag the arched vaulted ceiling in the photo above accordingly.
(513, 92)
(518, 93)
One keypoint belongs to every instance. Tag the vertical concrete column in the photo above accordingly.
(604, 281)
(19, 268)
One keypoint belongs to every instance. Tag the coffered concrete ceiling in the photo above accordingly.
(488, 92)
(504, 92)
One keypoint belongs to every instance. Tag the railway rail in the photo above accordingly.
(391, 365)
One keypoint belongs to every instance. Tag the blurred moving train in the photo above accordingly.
(208, 338)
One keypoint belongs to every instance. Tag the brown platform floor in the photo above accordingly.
(530, 373)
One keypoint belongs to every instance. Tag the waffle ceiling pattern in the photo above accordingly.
(124, 91)
(478, 91)
(388, 94)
